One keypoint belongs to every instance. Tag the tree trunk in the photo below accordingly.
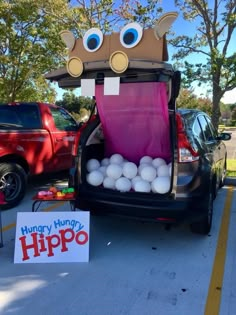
(216, 97)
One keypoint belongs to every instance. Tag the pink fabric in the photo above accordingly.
(135, 122)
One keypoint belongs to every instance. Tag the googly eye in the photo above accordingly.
(93, 39)
(131, 35)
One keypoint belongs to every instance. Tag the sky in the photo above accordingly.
(180, 27)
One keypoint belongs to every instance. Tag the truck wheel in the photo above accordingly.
(204, 226)
(13, 181)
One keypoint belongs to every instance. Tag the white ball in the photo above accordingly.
(116, 158)
(105, 162)
(135, 180)
(142, 186)
(130, 170)
(92, 165)
(148, 173)
(158, 162)
(109, 182)
(145, 159)
(123, 184)
(103, 170)
(161, 185)
(141, 166)
(95, 178)
(163, 170)
(170, 168)
(114, 171)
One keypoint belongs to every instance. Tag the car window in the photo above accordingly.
(213, 130)
(207, 132)
(62, 120)
(197, 130)
(23, 116)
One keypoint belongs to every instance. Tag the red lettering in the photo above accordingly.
(65, 240)
(42, 248)
(51, 244)
(84, 238)
(33, 246)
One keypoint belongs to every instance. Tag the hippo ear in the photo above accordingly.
(68, 38)
(163, 24)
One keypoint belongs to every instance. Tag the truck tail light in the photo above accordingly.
(186, 153)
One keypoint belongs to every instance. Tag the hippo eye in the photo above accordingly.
(131, 35)
(93, 39)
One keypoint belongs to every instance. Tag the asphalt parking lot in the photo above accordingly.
(134, 268)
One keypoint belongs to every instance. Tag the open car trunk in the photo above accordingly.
(134, 124)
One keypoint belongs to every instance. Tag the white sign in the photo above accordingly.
(49, 237)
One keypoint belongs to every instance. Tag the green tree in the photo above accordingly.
(187, 99)
(216, 22)
(30, 46)
(78, 106)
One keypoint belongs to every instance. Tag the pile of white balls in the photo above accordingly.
(151, 175)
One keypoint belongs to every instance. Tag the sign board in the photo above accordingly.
(49, 237)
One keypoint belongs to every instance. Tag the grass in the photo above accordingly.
(231, 167)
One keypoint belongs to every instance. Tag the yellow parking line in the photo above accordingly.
(56, 205)
(215, 288)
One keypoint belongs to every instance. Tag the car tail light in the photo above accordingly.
(186, 153)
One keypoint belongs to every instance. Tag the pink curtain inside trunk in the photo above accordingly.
(135, 122)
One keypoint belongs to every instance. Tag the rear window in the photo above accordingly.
(20, 116)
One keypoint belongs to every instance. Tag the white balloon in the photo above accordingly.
(161, 185)
(114, 171)
(158, 162)
(163, 170)
(116, 158)
(145, 159)
(141, 166)
(109, 182)
(105, 162)
(134, 180)
(92, 165)
(103, 169)
(148, 173)
(170, 168)
(142, 186)
(123, 184)
(130, 170)
(95, 178)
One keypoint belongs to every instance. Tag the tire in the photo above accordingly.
(13, 182)
(203, 226)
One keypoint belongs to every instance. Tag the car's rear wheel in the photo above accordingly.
(13, 181)
(204, 226)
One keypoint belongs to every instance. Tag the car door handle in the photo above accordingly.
(59, 139)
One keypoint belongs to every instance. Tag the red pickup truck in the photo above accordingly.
(35, 138)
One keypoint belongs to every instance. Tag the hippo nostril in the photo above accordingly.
(119, 61)
(74, 66)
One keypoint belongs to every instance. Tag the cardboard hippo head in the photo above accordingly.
(118, 49)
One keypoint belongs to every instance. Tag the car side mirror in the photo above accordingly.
(225, 136)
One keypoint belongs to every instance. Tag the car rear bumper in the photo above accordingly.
(166, 209)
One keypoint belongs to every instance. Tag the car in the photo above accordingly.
(116, 168)
(184, 138)
(35, 138)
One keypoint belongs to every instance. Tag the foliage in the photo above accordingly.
(80, 107)
(30, 47)
(109, 15)
(216, 23)
(187, 99)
